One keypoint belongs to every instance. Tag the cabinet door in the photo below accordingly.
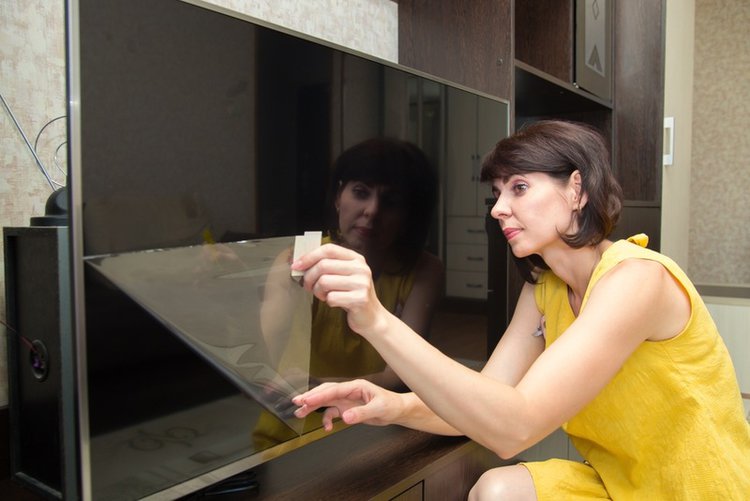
(461, 159)
(466, 257)
(464, 42)
(639, 97)
(492, 126)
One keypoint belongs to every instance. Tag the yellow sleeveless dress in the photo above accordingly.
(336, 351)
(669, 426)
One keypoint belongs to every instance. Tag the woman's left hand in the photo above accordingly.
(356, 401)
(342, 278)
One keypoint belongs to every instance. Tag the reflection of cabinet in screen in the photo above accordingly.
(474, 125)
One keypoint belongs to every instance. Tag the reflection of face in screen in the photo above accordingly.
(382, 194)
(370, 217)
(382, 197)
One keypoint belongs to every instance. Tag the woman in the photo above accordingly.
(609, 340)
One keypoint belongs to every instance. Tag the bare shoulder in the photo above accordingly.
(640, 275)
(429, 269)
(429, 261)
(650, 293)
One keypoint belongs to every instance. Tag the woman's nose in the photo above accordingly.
(371, 206)
(501, 209)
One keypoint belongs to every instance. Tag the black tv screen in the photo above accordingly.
(200, 141)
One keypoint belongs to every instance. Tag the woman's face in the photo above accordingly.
(534, 209)
(370, 216)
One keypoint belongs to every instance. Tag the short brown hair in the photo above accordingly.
(398, 164)
(558, 148)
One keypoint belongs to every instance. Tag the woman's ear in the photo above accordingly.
(337, 200)
(578, 196)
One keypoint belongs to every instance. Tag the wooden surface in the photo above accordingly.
(639, 97)
(464, 42)
(544, 33)
(364, 462)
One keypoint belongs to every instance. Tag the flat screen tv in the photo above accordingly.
(202, 143)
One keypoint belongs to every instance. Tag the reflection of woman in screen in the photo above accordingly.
(382, 196)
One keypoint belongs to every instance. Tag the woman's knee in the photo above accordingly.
(504, 483)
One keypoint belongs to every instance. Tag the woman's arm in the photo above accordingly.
(518, 347)
(489, 407)
(351, 400)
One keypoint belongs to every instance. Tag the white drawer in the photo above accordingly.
(465, 230)
(469, 284)
(466, 257)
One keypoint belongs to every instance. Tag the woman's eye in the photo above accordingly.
(520, 187)
(360, 192)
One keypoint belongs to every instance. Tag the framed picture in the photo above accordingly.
(593, 68)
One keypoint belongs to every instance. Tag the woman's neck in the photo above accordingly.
(575, 267)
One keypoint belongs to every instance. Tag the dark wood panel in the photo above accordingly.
(464, 42)
(537, 93)
(639, 97)
(360, 462)
(544, 34)
(4, 443)
(635, 219)
(459, 476)
(10, 489)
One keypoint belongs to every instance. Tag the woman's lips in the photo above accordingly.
(364, 232)
(511, 232)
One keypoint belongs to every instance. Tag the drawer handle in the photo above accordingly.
(470, 230)
(473, 286)
(474, 258)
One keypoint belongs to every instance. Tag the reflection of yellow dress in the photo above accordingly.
(338, 352)
(670, 425)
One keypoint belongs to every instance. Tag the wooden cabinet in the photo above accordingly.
(474, 124)
(377, 463)
(555, 445)
(639, 99)
(464, 42)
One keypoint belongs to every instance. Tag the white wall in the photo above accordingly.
(732, 317)
(678, 103)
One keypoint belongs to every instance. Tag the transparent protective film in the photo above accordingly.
(235, 304)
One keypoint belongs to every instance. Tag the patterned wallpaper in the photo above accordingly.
(720, 184)
(32, 65)
(331, 20)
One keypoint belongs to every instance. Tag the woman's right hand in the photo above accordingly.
(342, 278)
(357, 401)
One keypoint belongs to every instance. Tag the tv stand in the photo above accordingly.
(382, 463)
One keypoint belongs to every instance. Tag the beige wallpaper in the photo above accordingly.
(332, 20)
(720, 184)
(32, 65)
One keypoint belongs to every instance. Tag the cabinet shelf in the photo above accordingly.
(540, 94)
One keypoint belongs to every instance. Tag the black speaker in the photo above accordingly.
(41, 360)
